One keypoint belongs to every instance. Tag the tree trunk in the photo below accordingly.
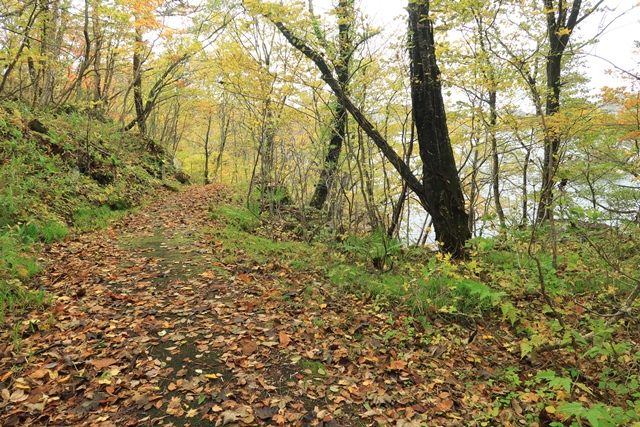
(561, 22)
(207, 152)
(439, 192)
(495, 158)
(137, 83)
(97, 61)
(225, 121)
(525, 183)
(551, 138)
(441, 184)
(399, 206)
(339, 130)
(23, 44)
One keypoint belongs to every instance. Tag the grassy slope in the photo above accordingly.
(60, 172)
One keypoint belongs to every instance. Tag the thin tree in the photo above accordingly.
(561, 22)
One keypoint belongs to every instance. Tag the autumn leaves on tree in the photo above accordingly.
(439, 190)
(230, 82)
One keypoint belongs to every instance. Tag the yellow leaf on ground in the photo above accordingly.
(175, 407)
(38, 374)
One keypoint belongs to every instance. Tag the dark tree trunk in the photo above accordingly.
(339, 129)
(439, 192)
(561, 22)
(495, 158)
(441, 184)
(525, 183)
(330, 165)
(137, 84)
(551, 138)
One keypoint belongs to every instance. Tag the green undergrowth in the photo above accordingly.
(370, 265)
(555, 287)
(240, 243)
(63, 171)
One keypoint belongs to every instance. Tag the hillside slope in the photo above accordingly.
(62, 171)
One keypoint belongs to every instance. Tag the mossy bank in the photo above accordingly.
(65, 171)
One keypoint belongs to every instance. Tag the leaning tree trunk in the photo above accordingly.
(441, 184)
(339, 130)
(439, 192)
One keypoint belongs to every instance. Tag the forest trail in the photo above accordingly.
(148, 327)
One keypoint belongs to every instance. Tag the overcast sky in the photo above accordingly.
(616, 44)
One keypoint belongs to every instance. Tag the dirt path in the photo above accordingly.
(148, 327)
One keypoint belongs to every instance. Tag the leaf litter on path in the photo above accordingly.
(144, 330)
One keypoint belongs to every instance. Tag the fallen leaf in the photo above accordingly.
(35, 407)
(244, 278)
(208, 275)
(444, 405)
(266, 413)
(38, 374)
(284, 338)
(397, 365)
(249, 347)
(18, 396)
(102, 363)
(175, 407)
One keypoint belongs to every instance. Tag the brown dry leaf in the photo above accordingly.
(249, 347)
(284, 338)
(103, 363)
(208, 275)
(397, 365)
(444, 405)
(175, 407)
(38, 374)
(35, 407)
(266, 413)
(529, 397)
(244, 278)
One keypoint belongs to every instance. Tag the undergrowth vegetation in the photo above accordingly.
(551, 298)
(62, 171)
